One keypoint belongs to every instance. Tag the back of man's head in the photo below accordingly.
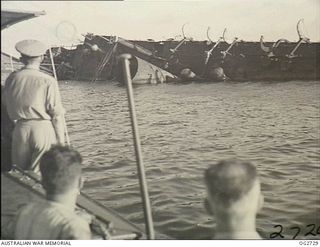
(29, 60)
(60, 168)
(230, 180)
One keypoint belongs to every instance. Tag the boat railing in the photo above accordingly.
(106, 223)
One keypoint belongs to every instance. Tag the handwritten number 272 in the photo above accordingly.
(298, 230)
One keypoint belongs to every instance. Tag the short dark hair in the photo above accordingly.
(229, 180)
(60, 167)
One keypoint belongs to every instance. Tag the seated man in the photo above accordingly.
(55, 218)
(234, 198)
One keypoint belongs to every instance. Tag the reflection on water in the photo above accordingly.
(183, 129)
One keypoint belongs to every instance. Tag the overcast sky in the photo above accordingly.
(64, 21)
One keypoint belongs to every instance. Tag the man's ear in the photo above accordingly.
(208, 206)
(23, 60)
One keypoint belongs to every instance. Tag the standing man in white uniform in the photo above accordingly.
(33, 102)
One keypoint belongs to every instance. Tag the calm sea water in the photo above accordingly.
(183, 129)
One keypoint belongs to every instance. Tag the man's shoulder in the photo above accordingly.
(76, 228)
(53, 212)
(31, 205)
(27, 210)
(46, 75)
(10, 77)
(70, 217)
(28, 206)
(35, 73)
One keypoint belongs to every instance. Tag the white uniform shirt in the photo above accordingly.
(32, 94)
(50, 220)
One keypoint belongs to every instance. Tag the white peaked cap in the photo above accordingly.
(31, 48)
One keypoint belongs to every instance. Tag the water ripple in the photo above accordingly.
(185, 128)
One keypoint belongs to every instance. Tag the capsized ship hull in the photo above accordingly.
(96, 59)
(244, 61)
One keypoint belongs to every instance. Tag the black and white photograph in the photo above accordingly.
(160, 120)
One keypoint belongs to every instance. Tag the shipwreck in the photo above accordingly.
(96, 59)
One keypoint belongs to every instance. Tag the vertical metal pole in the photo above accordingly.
(142, 179)
(55, 76)
(52, 63)
(11, 62)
